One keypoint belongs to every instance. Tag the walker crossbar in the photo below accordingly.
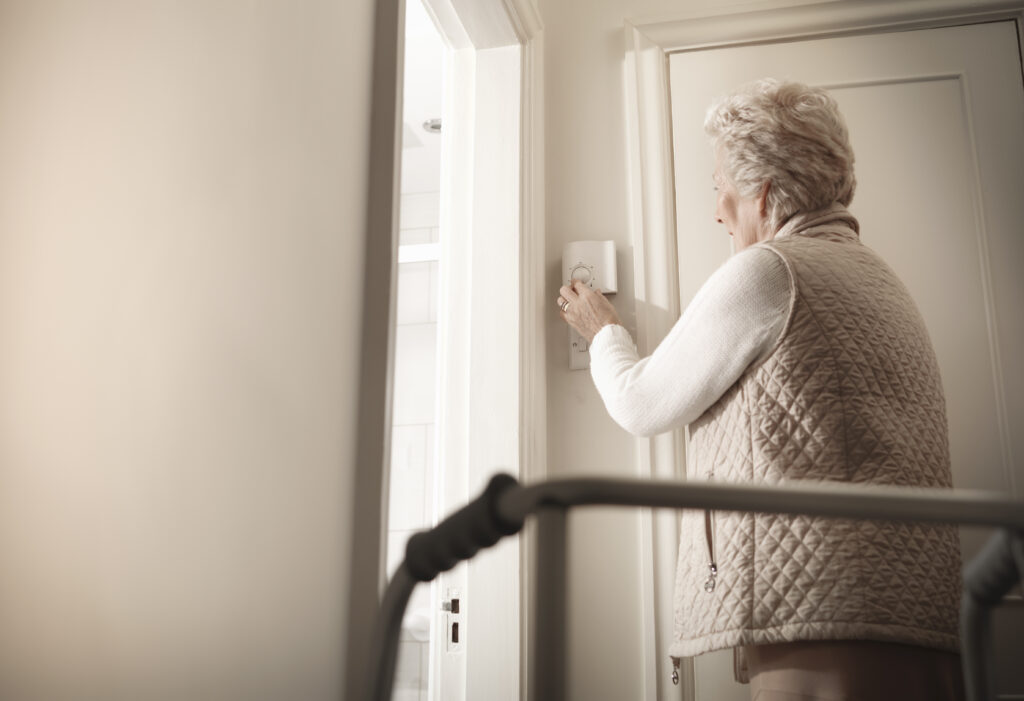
(503, 507)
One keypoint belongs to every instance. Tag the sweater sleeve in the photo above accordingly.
(735, 319)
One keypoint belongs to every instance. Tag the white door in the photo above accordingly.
(936, 118)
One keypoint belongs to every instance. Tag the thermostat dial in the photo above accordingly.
(583, 273)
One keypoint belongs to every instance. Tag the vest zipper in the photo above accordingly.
(709, 583)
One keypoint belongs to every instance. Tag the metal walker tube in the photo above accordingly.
(503, 507)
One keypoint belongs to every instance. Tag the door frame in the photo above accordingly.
(653, 226)
(489, 419)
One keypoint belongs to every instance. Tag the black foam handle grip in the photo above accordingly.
(476, 525)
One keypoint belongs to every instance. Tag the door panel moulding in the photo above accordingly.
(653, 225)
(491, 402)
(821, 21)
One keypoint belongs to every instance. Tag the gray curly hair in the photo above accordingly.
(789, 134)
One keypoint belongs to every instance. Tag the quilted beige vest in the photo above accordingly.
(850, 393)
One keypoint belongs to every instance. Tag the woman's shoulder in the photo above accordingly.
(759, 265)
(754, 284)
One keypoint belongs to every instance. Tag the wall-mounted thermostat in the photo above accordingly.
(591, 262)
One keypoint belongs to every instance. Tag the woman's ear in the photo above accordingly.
(762, 199)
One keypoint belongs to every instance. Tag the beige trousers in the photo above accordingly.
(852, 670)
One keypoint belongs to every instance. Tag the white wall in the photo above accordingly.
(588, 198)
(182, 218)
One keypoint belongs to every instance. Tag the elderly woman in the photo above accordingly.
(802, 358)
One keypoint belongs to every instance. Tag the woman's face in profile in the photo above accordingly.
(741, 216)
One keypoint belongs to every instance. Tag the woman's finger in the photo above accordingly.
(568, 293)
(582, 286)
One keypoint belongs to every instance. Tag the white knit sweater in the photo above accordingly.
(735, 319)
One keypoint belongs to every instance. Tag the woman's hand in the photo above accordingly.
(585, 309)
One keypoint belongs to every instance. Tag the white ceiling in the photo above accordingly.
(424, 67)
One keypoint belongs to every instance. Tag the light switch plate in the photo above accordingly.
(579, 351)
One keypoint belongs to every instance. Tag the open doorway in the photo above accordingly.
(413, 422)
(468, 367)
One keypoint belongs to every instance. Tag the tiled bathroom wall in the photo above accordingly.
(412, 435)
